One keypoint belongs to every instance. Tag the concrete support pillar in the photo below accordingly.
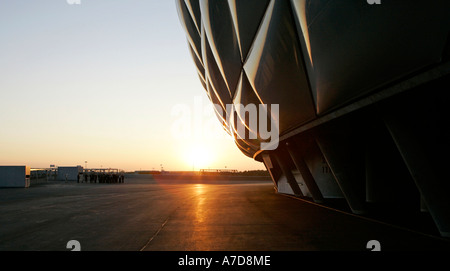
(320, 170)
(308, 178)
(418, 122)
(388, 182)
(425, 150)
(346, 160)
(272, 168)
(283, 163)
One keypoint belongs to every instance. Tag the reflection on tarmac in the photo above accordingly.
(176, 215)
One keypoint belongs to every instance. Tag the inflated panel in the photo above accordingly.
(275, 67)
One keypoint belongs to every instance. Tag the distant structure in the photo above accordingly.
(69, 173)
(362, 92)
(14, 176)
(211, 170)
(148, 172)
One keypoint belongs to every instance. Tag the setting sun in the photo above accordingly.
(199, 157)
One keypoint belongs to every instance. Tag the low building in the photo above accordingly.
(15, 176)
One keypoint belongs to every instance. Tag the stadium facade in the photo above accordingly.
(361, 90)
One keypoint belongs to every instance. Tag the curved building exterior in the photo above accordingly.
(360, 90)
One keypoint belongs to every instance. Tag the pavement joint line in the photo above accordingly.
(155, 234)
(160, 228)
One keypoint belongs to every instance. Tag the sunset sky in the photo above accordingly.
(110, 82)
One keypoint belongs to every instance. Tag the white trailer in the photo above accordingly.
(69, 173)
(15, 176)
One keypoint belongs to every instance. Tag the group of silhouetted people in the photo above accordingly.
(95, 177)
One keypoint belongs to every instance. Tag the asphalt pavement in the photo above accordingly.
(154, 214)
